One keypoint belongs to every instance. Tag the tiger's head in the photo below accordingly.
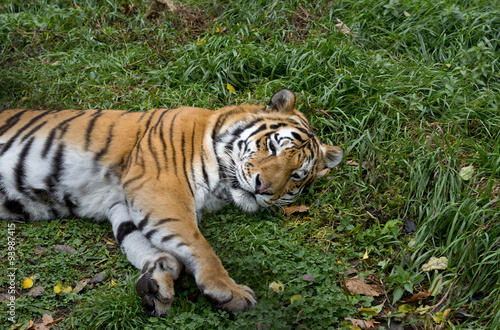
(272, 155)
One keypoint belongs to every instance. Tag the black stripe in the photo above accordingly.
(70, 205)
(164, 145)
(153, 152)
(48, 143)
(123, 230)
(33, 131)
(183, 149)
(16, 208)
(9, 143)
(150, 233)
(169, 237)
(192, 154)
(57, 168)
(12, 121)
(109, 138)
(162, 221)
(90, 128)
(171, 135)
(143, 223)
(63, 126)
(205, 174)
(20, 168)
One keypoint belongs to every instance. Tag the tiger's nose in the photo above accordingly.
(260, 187)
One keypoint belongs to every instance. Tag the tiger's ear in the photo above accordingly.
(332, 156)
(283, 101)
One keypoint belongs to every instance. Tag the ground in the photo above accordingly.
(403, 234)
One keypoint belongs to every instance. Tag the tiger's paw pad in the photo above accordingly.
(232, 298)
(156, 288)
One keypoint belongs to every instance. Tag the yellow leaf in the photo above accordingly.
(365, 256)
(27, 283)
(113, 283)
(60, 288)
(57, 288)
(405, 308)
(231, 89)
(277, 287)
(202, 41)
(435, 263)
(295, 298)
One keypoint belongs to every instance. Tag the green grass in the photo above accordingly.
(412, 98)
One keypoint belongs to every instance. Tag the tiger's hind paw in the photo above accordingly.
(156, 286)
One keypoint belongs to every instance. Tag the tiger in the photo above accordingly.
(153, 174)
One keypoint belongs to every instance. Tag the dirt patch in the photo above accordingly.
(180, 15)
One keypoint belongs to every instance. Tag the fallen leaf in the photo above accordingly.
(277, 286)
(202, 41)
(40, 326)
(372, 311)
(40, 250)
(342, 27)
(423, 310)
(113, 283)
(79, 287)
(417, 297)
(448, 65)
(294, 209)
(351, 163)
(405, 308)
(65, 248)
(407, 14)
(296, 297)
(98, 278)
(27, 283)
(222, 29)
(308, 278)
(466, 173)
(435, 263)
(36, 291)
(60, 288)
(47, 319)
(358, 285)
(231, 89)
(363, 324)
(365, 256)
(410, 225)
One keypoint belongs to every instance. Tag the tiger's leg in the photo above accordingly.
(180, 236)
(158, 268)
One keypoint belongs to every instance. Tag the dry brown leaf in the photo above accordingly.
(40, 250)
(417, 297)
(363, 324)
(79, 287)
(294, 209)
(358, 285)
(40, 326)
(47, 319)
(36, 291)
(343, 28)
(65, 248)
(351, 163)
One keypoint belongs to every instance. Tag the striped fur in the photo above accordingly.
(153, 174)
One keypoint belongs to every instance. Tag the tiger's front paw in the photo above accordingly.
(156, 286)
(229, 296)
